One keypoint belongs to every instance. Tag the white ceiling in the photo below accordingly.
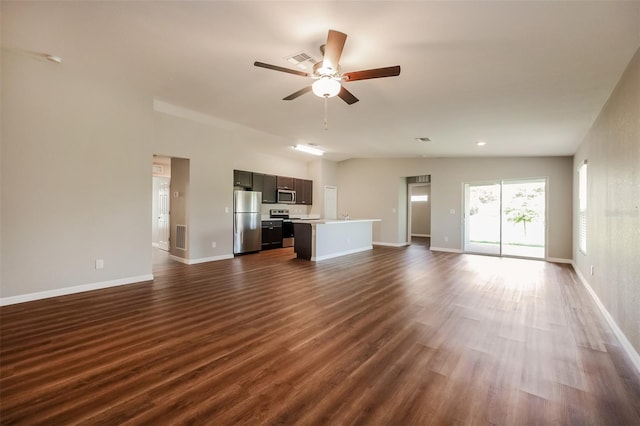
(529, 78)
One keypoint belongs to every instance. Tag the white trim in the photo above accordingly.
(624, 342)
(342, 253)
(380, 243)
(201, 260)
(559, 260)
(420, 235)
(29, 297)
(209, 259)
(179, 259)
(449, 250)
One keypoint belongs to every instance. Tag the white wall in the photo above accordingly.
(380, 201)
(180, 197)
(77, 184)
(76, 179)
(612, 148)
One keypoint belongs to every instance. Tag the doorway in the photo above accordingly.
(506, 218)
(419, 210)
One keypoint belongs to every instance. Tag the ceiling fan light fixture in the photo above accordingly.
(308, 149)
(326, 87)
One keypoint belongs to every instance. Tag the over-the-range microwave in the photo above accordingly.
(286, 196)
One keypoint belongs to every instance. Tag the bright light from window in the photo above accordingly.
(419, 198)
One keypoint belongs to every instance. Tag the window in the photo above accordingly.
(582, 207)
(421, 198)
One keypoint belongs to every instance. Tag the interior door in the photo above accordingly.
(161, 186)
(330, 202)
(482, 216)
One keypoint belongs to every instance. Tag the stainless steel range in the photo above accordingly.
(287, 226)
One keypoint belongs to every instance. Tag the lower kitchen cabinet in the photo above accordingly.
(271, 234)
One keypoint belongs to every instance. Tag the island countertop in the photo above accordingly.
(332, 221)
(319, 239)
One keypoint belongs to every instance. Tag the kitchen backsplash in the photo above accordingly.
(294, 210)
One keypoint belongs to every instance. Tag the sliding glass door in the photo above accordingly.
(482, 218)
(506, 218)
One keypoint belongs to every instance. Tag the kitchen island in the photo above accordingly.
(323, 239)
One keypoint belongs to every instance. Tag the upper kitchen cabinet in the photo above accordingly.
(304, 191)
(267, 185)
(243, 179)
(285, 182)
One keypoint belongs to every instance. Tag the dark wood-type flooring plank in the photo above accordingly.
(389, 336)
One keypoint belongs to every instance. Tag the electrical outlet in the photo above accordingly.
(99, 263)
(213, 244)
(591, 270)
(452, 211)
(446, 239)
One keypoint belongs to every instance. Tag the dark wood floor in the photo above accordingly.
(393, 336)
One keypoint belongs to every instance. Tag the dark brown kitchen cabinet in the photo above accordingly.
(243, 179)
(304, 191)
(284, 182)
(267, 185)
(271, 234)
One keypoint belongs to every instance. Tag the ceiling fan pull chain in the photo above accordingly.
(326, 100)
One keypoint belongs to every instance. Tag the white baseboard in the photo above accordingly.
(558, 260)
(421, 235)
(179, 259)
(71, 290)
(342, 253)
(210, 259)
(449, 250)
(201, 260)
(624, 342)
(380, 243)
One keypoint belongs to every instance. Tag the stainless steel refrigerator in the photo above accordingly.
(247, 225)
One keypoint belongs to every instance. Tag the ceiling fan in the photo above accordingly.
(328, 75)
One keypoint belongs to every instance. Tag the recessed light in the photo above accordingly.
(423, 139)
(481, 143)
(308, 149)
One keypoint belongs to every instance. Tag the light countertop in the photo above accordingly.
(332, 221)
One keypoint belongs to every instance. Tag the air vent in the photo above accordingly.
(181, 237)
(423, 139)
(300, 59)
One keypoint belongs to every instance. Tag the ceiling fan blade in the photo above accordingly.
(374, 73)
(333, 49)
(347, 96)
(283, 69)
(298, 93)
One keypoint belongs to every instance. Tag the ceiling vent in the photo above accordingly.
(302, 60)
(423, 139)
